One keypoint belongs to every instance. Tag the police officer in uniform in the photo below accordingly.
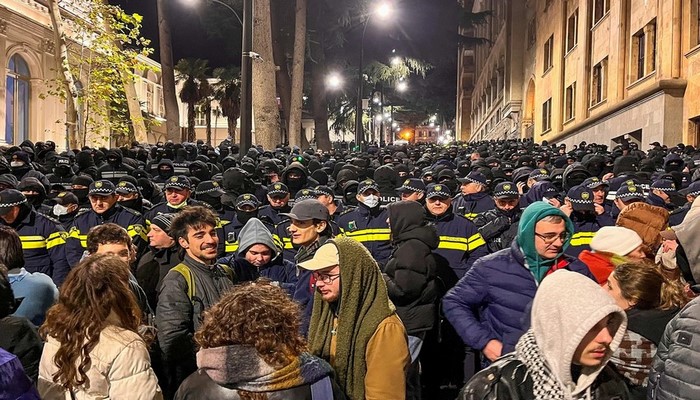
(178, 190)
(104, 208)
(499, 226)
(412, 189)
(247, 207)
(474, 199)
(210, 192)
(278, 199)
(43, 238)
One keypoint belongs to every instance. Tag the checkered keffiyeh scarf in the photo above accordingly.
(545, 384)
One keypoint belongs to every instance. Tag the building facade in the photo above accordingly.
(590, 70)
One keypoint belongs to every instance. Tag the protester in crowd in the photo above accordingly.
(163, 255)
(114, 240)
(610, 247)
(19, 336)
(188, 290)
(235, 364)
(93, 347)
(259, 256)
(367, 223)
(15, 382)
(43, 238)
(673, 370)
(502, 285)
(499, 226)
(564, 355)
(411, 279)
(354, 325)
(650, 302)
(104, 209)
(34, 292)
(474, 198)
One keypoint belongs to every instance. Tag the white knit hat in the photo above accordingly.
(616, 240)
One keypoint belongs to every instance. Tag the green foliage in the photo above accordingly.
(105, 50)
(228, 91)
(192, 72)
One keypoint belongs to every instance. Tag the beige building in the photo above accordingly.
(593, 70)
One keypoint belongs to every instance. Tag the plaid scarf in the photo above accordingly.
(545, 384)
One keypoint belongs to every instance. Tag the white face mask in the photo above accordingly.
(371, 201)
(16, 164)
(59, 210)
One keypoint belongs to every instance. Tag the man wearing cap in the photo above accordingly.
(247, 207)
(65, 209)
(412, 189)
(599, 188)
(62, 173)
(162, 256)
(368, 222)
(278, 199)
(210, 192)
(460, 242)
(488, 306)
(691, 193)
(354, 325)
(128, 196)
(499, 226)
(660, 194)
(628, 192)
(473, 200)
(43, 238)
(586, 216)
(325, 195)
(178, 190)
(104, 208)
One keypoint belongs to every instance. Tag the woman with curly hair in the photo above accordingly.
(93, 349)
(650, 301)
(251, 349)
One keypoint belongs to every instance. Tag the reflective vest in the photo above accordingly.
(370, 228)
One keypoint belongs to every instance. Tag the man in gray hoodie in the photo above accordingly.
(575, 329)
(259, 256)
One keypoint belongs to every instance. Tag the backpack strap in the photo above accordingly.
(183, 270)
(228, 271)
(322, 390)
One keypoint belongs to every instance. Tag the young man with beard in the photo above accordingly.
(499, 226)
(575, 329)
(188, 290)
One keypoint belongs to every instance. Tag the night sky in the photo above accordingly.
(424, 29)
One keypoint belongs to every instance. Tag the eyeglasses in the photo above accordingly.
(550, 238)
(326, 278)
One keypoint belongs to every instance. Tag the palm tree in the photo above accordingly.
(227, 91)
(191, 71)
(172, 114)
(206, 92)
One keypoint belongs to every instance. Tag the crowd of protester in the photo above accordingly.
(489, 270)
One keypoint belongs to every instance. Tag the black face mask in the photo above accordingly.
(201, 174)
(214, 202)
(294, 184)
(350, 199)
(62, 171)
(134, 204)
(245, 216)
(35, 201)
(165, 173)
(113, 161)
(81, 194)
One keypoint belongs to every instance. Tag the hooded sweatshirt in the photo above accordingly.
(526, 237)
(566, 307)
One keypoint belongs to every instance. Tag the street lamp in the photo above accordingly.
(402, 86)
(334, 81)
(383, 11)
(195, 2)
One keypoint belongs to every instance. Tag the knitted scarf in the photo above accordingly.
(364, 303)
(240, 367)
(545, 384)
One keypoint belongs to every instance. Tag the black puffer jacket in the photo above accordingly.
(411, 271)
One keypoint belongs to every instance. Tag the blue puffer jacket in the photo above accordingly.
(502, 287)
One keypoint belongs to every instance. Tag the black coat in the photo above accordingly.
(411, 270)
(19, 337)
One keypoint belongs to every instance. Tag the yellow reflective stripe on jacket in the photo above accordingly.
(231, 247)
(476, 241)
(137, 230)
(582, 238)
(471, 215)
(282, 243)
(55, 239)
(370, 235)
(75, 234)
(277, 240)
(33, 242)
(460, 243)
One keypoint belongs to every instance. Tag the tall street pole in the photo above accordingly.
(246, 80)
(359, 128)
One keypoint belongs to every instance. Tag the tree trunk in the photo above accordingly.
(281, 22)
(231, 125)
(73, 126)
(320, 106)
(207, 118)
(297, 94)
(191, 112)
(138, 124)
(267, 116)
(172, 113)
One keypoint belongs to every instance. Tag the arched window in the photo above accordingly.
(17, 100)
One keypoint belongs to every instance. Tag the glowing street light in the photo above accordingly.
(402, 86)
(384, 10)
(394, 124)
(379, 117)
(334, 81)
(395, 61)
